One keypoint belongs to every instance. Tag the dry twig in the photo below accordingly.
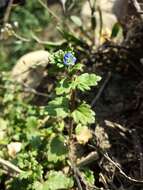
(138, 149)
(49, 11)
(101, 89)
(7, 13)
(10, 165)
(137, 7)
(88, 159)
(128, 178)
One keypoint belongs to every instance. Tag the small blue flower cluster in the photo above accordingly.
(69, 59)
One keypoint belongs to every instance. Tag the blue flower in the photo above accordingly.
(69, 59)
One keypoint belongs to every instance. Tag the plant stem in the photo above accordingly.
(72, 107)
(49, 11)
(93, 19)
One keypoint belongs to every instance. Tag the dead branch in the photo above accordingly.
(10, 165)
(101, 89)
(7, 13)
(128, 178)
(88, 159)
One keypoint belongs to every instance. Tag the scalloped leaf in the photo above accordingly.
(83, 114)
(57, 150)
(63, 87)
(59, 107)
(86, 81)
(57, 181)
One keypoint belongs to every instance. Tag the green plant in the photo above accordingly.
(48, 135)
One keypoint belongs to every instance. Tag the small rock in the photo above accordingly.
(14, 148)
(30, 68)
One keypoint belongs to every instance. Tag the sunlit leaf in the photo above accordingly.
(63, 87)
(83, 114)
(37, 185)
(89, 176)
(83, 134)
(57, 181)
(76, 20)
(86, 81)
(3, 124)
(31, 122)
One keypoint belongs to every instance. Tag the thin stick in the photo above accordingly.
(8, 10)
(93, 19)
(38, 40)
(76, 175)
(26, 89)
(138, 149)
(88, 159)
(90, 4)
(101, 89)
(10, 165)
(21, 38)
(33, 91)
(137, 7)
(101, 23)
(121, 171)
(51, 12)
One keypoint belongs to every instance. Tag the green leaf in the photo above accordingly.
(37, 185)
(3, 132)
(83, 114)
(76, 20)
(63, 87)
(3, 124)
(57, 58)
(115, 30)
(86, 81)
(60, 126)
(75, 68)
(59, 107)
(8, 97)
(25, 175)
(31, 122)
(89, 176)
(57, 150)
(57, 181)
(70, 37)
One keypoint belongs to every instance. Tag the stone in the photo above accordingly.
(30, 69)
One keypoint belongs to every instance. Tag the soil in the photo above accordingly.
(119, 117)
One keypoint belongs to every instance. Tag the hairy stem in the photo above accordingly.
(72, 107)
